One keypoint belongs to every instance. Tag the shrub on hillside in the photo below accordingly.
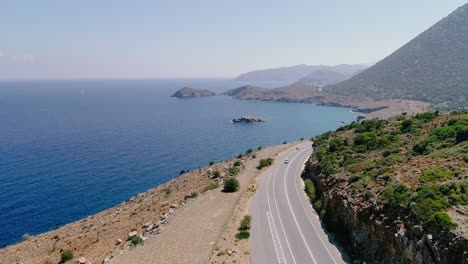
(216, 174)
(310, 189)
(66, 256)
(231, 185)
(246, 223)
(237, 163)
(136, 240)
(435, 175)
(396, 195)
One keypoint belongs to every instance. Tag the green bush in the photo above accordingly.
(247, 152)
(441, 220)
(211, 162)
(406, 126)
(335, 144)
(396, 195)
(264, 163)
(259, 148)
(193, 195)
(246, 223)
(243, 234)
(213, 186)
(462, 134)
(310, 190)
(239, 156)
(435, 175)
(167, 192)
(426, 117)
(318, 205)
(231, 185)
(465, 158)
(66, 256)
(237, 163)
(285, 142)
(216, 174)
(233, 171)
(136, 240)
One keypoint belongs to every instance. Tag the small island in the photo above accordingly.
(247, 119)
(188, 92)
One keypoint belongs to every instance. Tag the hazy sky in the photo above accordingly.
(198, 38)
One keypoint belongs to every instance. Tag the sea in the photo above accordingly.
(72, 148)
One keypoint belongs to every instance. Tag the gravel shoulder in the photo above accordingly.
(195, 230)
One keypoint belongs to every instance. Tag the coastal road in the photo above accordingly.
(285, 227)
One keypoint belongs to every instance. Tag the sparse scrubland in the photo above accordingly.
(395, 190)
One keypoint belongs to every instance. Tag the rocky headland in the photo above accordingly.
(247, 119)
(188, 92)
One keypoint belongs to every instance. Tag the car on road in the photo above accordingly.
(286, 161)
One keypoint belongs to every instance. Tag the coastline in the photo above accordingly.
(101, 236)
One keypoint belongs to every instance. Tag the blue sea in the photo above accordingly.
(71, 148)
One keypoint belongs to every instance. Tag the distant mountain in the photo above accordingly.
(188, 92)
(324, 77)
(433, 67)
(294, 73)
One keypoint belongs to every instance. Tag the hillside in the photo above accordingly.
(323, 77)
(294, 73)
(395, 191)
(433, 67)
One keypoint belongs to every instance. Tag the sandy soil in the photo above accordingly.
(191, 236)
(157, 215)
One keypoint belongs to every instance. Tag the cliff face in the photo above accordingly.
(385, 203)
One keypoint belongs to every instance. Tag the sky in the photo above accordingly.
(204, 38)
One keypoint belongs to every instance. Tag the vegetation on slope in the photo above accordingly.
(415, 165)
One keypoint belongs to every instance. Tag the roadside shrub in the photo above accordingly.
(136, 240)
(264, 163)
(247, 152)
(213, 186)
(435, 175)
(216, 174)
(66, 256)
(243, 234)
(233, 171)
(246, 223)
(231, 185)
(239, 156)
(318, 205)
(396, 195)
(211, 162)
(193, 195)
(310, 189)
(237, 163)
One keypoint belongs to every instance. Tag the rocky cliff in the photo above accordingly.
(395, 192)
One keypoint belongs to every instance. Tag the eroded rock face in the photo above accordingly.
(247, 119)
(376, 234)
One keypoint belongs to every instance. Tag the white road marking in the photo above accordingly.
(276, 241)
(281, 221)
(308, 217)
(294, 216)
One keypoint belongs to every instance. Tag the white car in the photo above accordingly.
(286, 161)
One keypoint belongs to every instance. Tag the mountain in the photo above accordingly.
(433, 67)
(323, 77)
(188, 92)
(294, 73)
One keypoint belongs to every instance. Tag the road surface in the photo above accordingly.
(285, 227)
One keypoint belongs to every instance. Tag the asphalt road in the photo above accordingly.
(285, 227)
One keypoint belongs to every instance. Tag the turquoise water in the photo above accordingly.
(69, 149)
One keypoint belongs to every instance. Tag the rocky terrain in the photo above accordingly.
(395, 191)
(301, 93)
(247, 119)
(99, 237)
(188, 92)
